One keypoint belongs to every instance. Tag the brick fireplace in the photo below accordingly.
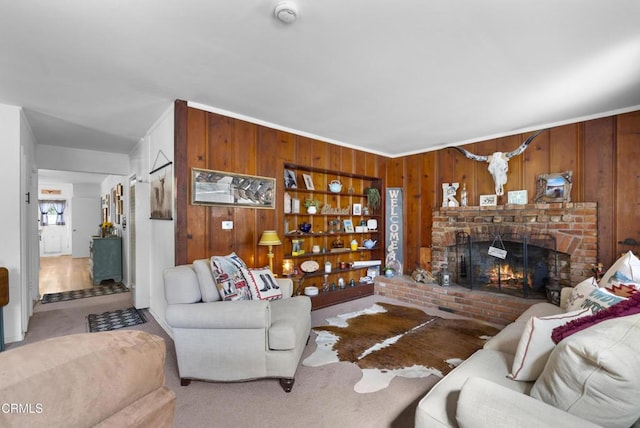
(572, 227)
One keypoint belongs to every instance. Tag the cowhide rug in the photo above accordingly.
(387, 340)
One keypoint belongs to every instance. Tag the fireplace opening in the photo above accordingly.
(515, 264)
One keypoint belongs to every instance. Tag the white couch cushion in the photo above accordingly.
(535, 344)
(438, 407)
(508, 338)
(181, 285)
(595, 373)
(208, 287)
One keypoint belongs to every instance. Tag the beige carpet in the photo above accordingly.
(321, 397)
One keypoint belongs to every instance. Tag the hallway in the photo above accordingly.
(63, 273)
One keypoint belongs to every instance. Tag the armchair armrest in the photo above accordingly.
(242, 314)
(483, 403)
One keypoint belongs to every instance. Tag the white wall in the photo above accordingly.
(19, 230)
(155, 239)
(77, 160)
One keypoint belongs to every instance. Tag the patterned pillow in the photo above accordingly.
(631, 306)
(621, 285)
(580, 293)
(227, 272)
(628, 265)
(600, 299)
(262, 284)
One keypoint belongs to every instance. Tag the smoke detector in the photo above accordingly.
(286, 11)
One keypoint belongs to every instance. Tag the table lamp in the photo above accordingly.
(270, 238)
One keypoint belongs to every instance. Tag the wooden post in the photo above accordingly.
(425, 258)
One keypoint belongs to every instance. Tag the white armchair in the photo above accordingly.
(234, 340)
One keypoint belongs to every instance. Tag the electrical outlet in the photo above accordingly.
(227, 225)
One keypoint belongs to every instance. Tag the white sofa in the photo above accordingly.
(233, 340)
(479, 393)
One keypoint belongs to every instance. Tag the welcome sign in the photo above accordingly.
(393, 210)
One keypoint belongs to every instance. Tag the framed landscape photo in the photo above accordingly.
(554, 187)
(488, 200)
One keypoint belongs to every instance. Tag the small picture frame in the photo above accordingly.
(357, 209)
(488, 200)
(554, 187)
(348, 226)
(290, 180)
(308, 182)
(517, 197)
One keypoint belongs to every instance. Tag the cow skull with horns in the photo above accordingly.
(499, 162)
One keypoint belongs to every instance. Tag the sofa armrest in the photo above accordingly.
(286, 286)
(241, 314)
(483, 403)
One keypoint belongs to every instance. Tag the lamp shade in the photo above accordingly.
(269, 237)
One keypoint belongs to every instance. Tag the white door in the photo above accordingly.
(86, 218)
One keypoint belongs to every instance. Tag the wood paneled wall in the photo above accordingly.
(212, 141)
(603, 154)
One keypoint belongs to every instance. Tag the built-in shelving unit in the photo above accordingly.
(328, 234)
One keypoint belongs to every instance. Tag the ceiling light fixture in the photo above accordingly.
(286, 11)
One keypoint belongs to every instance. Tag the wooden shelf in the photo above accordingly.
(353, 192)
(328, 298)
(328, 253)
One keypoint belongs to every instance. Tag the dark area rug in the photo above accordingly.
(98, 290)
(114, 320)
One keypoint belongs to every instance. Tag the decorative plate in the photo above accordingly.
(372, 224)
(310, 266)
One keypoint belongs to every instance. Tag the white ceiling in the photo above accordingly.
(390, 77)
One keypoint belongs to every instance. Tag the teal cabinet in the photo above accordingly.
(106, 259)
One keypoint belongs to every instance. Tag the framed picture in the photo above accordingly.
(488, 200)
(210, 187)
(554, 187)
(357, 209)
(290, 180)
(308, 182)
(517, 197)
(348, 226)
(161, 194)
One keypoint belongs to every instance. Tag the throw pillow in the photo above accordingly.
(620, 285)
(229, 279)
(579, 294)
(262, 284)
(535, 344)
(595, 373)
(622, 309)
(628, 264)
(600, 299)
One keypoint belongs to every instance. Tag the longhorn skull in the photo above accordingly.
(499, 162)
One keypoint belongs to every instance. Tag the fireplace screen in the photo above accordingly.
(521, 265)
